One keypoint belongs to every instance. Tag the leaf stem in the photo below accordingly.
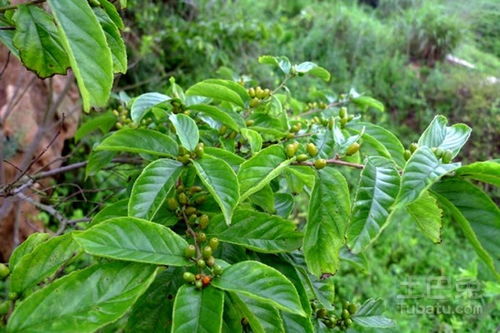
(335, 161)
(32, 2)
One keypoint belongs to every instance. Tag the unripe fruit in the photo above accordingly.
(312, 149)
(267, 92)
(407, 154)
(13, 295)
(302, 157)
(290, 136)
(4, 271)
(294, 129)
(183, 199)
(251, 92)
(343, 121)
(222, 130)
(322, 313)
(4, 307)
(217, 270)
(190, 251)
(172, 203)
(201, 237)
(351, 308)
(439, 152)
(343, 112)
(320, 163)
(249, 122)
(254, 102)
(214, 243)
(198, 284)
(207, 252)
(200, 199)
(413, 147)
(192, 219)
(348, 322)
(203, 221)
(210, 261)
(195, 189)
(190, 210)
(188, 277)
(352, 149)
(345, 314)
(291, 149)
(200, 149)
(183, 151)
(447, 156)
(201, 263)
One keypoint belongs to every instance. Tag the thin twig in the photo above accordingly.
(335, 161)
(5, 65)
(63, 221)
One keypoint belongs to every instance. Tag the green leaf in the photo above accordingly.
(295, 323)
(153, 310)
(234, 86)
(421, 171)
(261, 282)
(140, 141)
(426, 213)
(230, 158)
(254, 139)
(476, 214)
(151, 187)
(258, 171)
(299, 176)
(103, 122)
(325, 143)
(42, 262)
(486, 172)
(385, 137)
(313, 69)
(327, 221)
(216, 89)
(217, 114)
(257, 231)
(221, 182)
(86, 46)
(97, 161)
(114, 40)
(283, 204)
(38, 42)
(368, 102)
(144, 103)
(377, 191)
(445, 137)
(369, 315)
(133, 239)
(262, 317)
(186, 130)
(83, 301)
(198, 310)
(116, 209)
(264, 199)
(7, 38)
(112, 13)
(282, 62)
(26, 247)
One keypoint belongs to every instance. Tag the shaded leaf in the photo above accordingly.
(144, 103)
(216, 89)
(426, 213)
(114, 40)
(186, 130)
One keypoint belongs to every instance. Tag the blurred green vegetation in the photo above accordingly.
(393, 50)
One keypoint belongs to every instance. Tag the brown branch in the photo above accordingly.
(335, 161)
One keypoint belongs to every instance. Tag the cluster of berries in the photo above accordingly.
(342, 321)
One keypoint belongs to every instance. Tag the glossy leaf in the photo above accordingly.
(369, 315)
(230, 158)
(221, 182)
(264, 199)
(38, 42)
(257, 231)
(140, 141)
(476, 214)
(42, 262)
(283, 204)
(85, 43)
(216, 114)
(216, 89)
(7, 38)
(112, 13)
(116, 209)
(421, 171)
(103, 122)
(261, 282)
(114, 40)
(282, 62)
(445, 137)
(262, 317)
(26, 248)
(313, 69)
(132, 239)
(258, 171)
(426, 213)
(327, 222)
(365, 102)
(377, 192)
(66, 305)
(144, 103)
(486, 172)
(186, 130)
(151, 187)
(254, 139)
(198, 310)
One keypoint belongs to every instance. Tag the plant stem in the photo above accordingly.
(32, 2)
(337, 162)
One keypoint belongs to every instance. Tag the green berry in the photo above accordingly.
(254, 102)
(13, 295)
(188, 277)
(4, 307)
(413, 147)
(343, 112)
(222, 130)
(294, 129)
(251, 92)
(345, 314)
(407, 154)
(198, 284)
(201, 263)
(322, 313)
(207, 252)
(200, 149)
(320, 163)
(312, 149)
(210, 261)
(439, 152)
(4, 271)
(348, 322)
(352, 149)
(190, 210)
(214, 243)
(291, 149)
(183, 199)
(201, 237)
(217, 270)
(447, 156)
(302, 157)
(195, 189)
(190, 251)
(250, 122)
(200, 199)
(351, 307)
